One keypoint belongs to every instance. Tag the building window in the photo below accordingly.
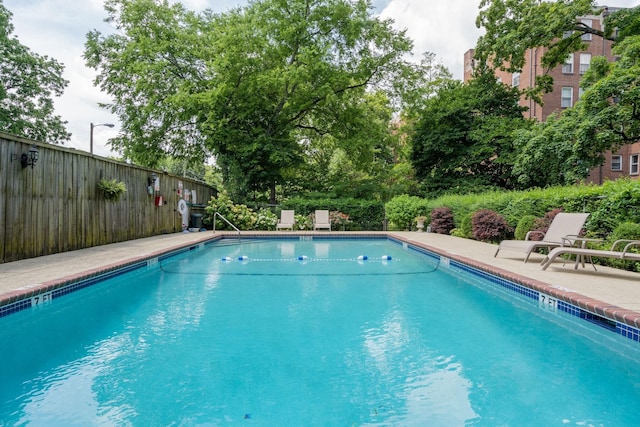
(567, 68)
(585, 62)
(587, 23)
(580, 93)
(567, 97)
(515, 80)
(633, 164)
(616, 163)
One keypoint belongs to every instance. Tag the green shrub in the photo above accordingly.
(242, 217)
(490, 226)
(627, 231)
(362, 214)
(222, 204)
(466, 227)
(239, 215)
(112, 189)
(401, 211)
(525, 225)
(266, 220)
(303, 222)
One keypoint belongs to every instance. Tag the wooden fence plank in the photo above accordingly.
(56, 205)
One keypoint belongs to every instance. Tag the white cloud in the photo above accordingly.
(446, 29)
(58, 29)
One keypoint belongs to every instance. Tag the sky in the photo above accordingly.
(58, 28)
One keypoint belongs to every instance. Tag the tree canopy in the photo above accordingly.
(463, 140)
(248, 86)
(512, 27)
(28, 82)
(564, 148)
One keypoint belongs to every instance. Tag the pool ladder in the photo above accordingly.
(227, 221)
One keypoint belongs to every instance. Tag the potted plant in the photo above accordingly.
(112, 188)
(420, 219)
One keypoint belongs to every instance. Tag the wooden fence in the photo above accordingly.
(56, 205)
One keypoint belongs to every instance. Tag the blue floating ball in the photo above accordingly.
(386, 257)
(226, 258)
(302, 258)
(243, 258)
(363, 258)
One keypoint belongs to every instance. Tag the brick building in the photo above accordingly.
(566, 92)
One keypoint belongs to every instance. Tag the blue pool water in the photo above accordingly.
(327, 341)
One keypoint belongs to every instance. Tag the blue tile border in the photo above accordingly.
(65, 289)
(8, 309)
(619, 328)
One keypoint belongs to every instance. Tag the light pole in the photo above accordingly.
(91, 133)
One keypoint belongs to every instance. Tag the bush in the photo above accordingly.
(401, 211)
(442, 220)
(339, 220)
(242, 217)
(112, 188)
(628, 231)
(303, 222)
(239, 215)
(525, 225)
(466, 228)
(266, 220)
(490, 226)
(362, 214)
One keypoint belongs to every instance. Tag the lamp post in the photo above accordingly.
(91, 133)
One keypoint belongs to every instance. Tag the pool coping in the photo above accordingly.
(594, 306)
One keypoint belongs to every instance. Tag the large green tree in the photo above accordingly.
(463, 141)
(564, 148)
(513, 26)
(245, 85)
(28, 83)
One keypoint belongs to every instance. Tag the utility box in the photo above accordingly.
(196, 220)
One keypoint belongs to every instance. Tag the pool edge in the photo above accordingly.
(20, 298)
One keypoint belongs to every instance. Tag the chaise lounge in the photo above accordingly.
(563, 225)
(581, 253)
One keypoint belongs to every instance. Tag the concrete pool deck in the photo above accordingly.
(607, 291)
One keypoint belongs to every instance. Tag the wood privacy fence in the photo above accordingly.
(56, 205)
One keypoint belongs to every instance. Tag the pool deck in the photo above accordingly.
(608, 292)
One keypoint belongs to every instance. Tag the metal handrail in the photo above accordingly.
(227, 221)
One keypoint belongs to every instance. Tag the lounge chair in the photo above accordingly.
(582, 253)
(321, 220)
(564, 224)
(287, 219)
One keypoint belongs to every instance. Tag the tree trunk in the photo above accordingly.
(272, 195)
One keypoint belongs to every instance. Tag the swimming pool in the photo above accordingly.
(308, 332)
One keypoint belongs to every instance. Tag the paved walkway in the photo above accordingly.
(611, 286)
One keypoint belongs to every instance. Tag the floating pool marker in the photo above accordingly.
(363, 258)
(302, 258)
(386, 257)
(226, 258)
(243, 258)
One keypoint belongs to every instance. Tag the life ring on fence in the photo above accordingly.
(183, 210)
(182, 207)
